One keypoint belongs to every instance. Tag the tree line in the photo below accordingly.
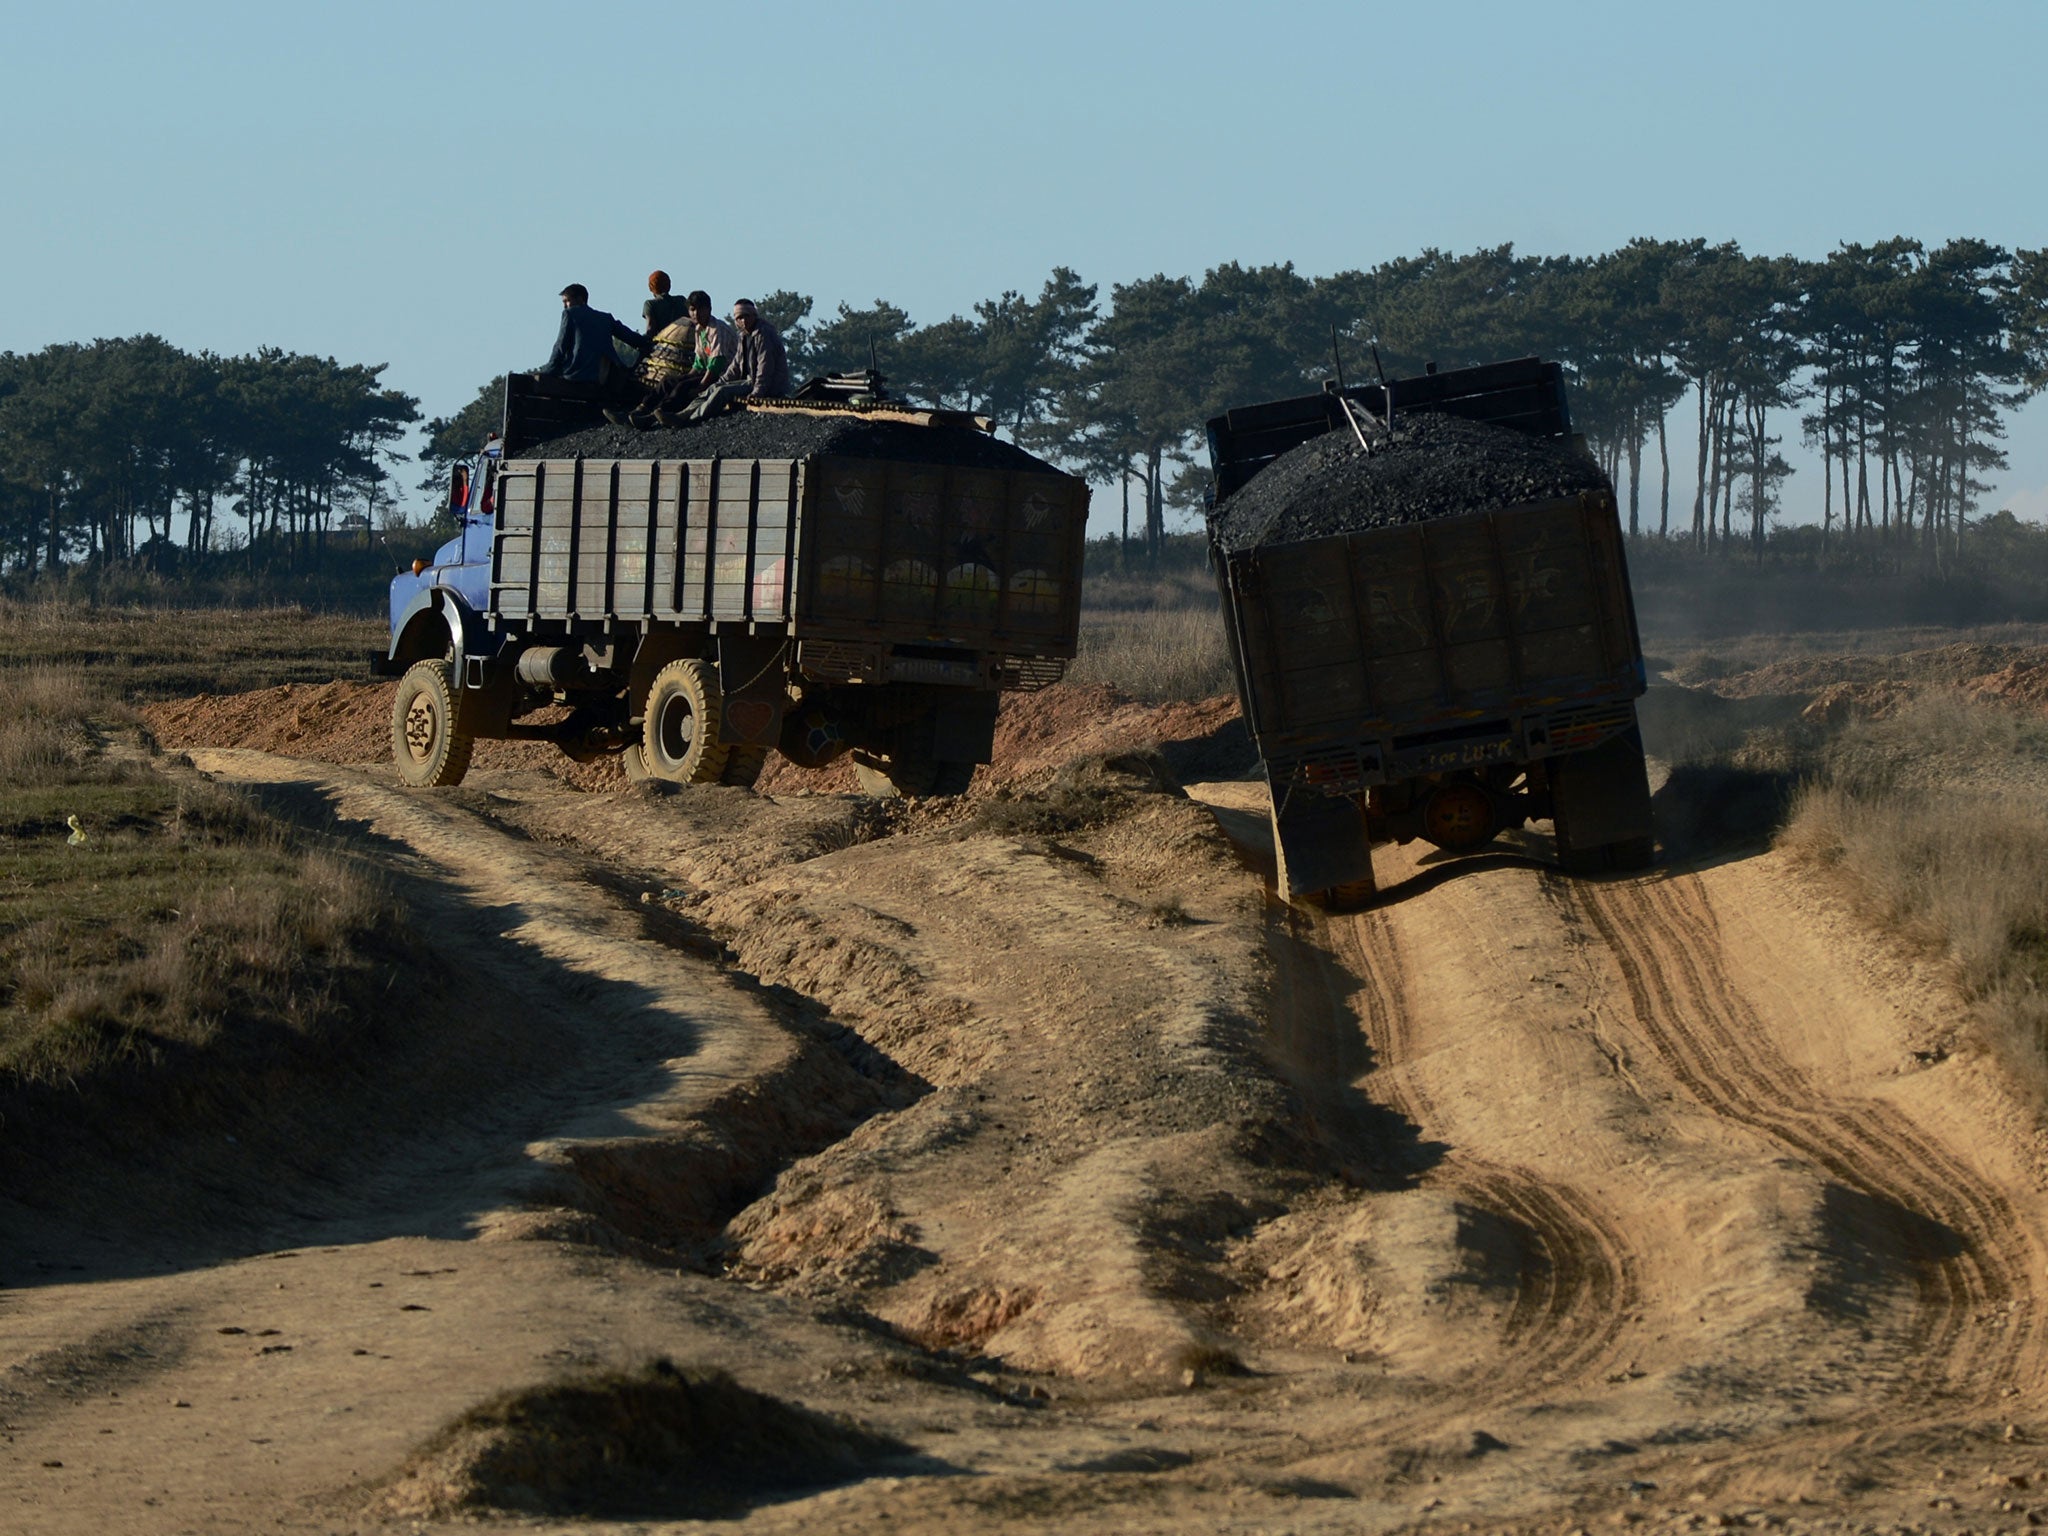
(105, 445)
(1897, 363)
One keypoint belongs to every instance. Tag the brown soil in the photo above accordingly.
(344, 722)
(1023, 1160)
(2023, 670)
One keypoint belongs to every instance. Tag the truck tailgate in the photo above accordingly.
(1399, 626)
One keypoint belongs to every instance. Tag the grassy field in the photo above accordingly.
(1155, 637)
(1933, 817)
(144, 654)
(160, 938)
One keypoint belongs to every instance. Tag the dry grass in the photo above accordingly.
(1155, 654)
(1934, 817)
(1154, 635)
(144, 654)
(157, 935)
(46, 732)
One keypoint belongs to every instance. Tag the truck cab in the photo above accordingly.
(439, 602)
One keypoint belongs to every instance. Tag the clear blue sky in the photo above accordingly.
(411, 184)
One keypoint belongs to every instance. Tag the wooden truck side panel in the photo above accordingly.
(860, 550)
(672, 539)
(1394, 629)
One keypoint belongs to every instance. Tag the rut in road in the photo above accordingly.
(1577, 1288)
(1975, 1322)
(1343, 1013)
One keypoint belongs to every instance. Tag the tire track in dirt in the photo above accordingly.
(1664, 938)
(1575, 1278)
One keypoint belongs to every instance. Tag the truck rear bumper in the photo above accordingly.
(1350, 767)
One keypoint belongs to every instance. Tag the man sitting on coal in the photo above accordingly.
(583, 347)
(760, 372)
(664, 377)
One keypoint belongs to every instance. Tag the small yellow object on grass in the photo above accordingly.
(77, 829)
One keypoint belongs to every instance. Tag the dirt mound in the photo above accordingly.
(1429, 467)
(1838, 703)
(661, 1441)
(2022, 681)
(793, 435)
(350, 722)
(1958, 664)
(338, 722)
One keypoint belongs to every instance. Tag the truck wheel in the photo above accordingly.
(428, 742)
(680, 739)
(634, 765)
(743, 765)
(1459, 816)
(893, 776)
(902, 763)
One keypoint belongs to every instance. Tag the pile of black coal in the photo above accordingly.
(1430, 466)
(789, 434)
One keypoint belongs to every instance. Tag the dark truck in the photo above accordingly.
(865, 578)
(1443, 678)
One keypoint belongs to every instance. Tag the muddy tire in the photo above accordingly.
(1460, 816)
(1352, 896)
(634, 765)
(890, 776)
(680, 738)
(743, 765)
(428, 741)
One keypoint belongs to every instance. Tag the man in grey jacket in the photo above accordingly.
(763, 360)
(761, 371)
(585, 340)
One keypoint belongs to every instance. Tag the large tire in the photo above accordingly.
(428, 741)
(1460, 815)
(911, 767)
(743, 765)
(680, 737)
(893, 775)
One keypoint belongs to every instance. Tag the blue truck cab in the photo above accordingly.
(437, 606)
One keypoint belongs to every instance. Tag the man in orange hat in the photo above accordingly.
(664, 309)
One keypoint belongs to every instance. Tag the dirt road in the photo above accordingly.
(1033, 1136)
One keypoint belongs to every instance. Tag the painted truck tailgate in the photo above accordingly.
(1395, 627)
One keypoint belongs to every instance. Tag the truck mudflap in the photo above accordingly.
(1321, 844)
(751, 671)
(1600, 800)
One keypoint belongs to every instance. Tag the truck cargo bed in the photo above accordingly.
(833, 548)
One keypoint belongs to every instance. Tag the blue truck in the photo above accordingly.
(687, 615)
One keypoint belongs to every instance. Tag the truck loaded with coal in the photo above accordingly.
(835, 572)
(1430, 619)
